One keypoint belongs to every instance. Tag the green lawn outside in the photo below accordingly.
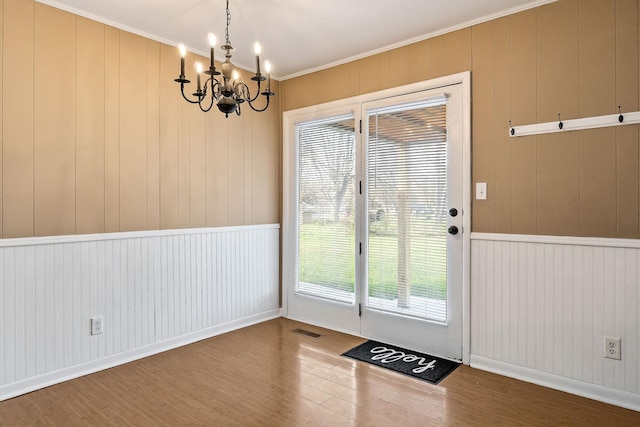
(327, 258)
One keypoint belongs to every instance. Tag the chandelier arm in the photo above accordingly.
(185, 96)
(212, 98)
(206, 110)
(262, 109)
(248, 98)
(215, 88)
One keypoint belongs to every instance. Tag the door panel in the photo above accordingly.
(325, 289)
(413, 278)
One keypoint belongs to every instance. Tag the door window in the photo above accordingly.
(407, 209)
(326, 208)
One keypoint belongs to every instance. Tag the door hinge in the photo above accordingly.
(360, 187)
(360, 126)
(360, 250)
(359, 309)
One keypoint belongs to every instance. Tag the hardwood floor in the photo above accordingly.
(267, 375)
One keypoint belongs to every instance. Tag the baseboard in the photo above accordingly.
(592, 391)
(35, 383)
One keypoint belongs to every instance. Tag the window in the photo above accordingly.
(407, 208)
(326, 207)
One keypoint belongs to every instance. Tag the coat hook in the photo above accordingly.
(620, 117)
(560, 125)
(512, 131)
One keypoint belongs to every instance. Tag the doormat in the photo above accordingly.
(418, 365)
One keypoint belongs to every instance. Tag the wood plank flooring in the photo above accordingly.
(267, 375)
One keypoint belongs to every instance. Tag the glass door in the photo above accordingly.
(324, 285)
(412, 273)
(372, 219)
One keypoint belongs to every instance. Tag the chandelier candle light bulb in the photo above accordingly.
(237, 85)
(257, 48)
(236, 77)
(183, 52)
(199, 71)
(267, 68)
(212, 43)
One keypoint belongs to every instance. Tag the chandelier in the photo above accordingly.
(228, 92)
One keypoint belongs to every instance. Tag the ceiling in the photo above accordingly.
(297, 36)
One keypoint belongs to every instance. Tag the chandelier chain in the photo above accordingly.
(228, 22)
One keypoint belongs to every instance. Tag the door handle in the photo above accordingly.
(453, 230)
(453, 212)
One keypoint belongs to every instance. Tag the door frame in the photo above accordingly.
(288, 208)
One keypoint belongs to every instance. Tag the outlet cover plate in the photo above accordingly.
(612, 349)
(97, 325)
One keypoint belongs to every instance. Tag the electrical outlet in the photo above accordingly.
(612, 348)
(97, 325)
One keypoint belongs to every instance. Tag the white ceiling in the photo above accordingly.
(297, 36)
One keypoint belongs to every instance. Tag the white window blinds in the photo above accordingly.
(325, 208)
(407, 209)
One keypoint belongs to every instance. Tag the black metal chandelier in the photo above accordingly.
(229, 92)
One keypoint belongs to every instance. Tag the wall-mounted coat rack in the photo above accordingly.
(560, 125)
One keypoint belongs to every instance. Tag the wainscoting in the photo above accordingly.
(155, 290)
(541, 306)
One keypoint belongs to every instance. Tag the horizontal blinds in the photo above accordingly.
(407, 209)
(325, 208)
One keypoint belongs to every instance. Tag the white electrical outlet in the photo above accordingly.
(97, 325)
(612, 348)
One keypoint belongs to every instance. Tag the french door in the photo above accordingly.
(373, 222)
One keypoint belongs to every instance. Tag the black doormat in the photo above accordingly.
(408, 362)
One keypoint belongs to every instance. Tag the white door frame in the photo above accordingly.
(291, 117)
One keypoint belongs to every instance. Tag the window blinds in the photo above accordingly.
(407, 209)
(326, 207)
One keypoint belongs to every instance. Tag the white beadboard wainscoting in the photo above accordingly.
(542, 305)
(155, 290)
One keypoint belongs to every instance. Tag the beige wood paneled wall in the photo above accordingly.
(96, 138)
(578, 58)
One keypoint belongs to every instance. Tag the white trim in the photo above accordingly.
(73, 238)
(439, 82)
(466, 218)
(103, 20)
(558, 240)
(610, 120)
(486, 18)
(531, 5)
(591, 391)
(150, 36)
(49, 379)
